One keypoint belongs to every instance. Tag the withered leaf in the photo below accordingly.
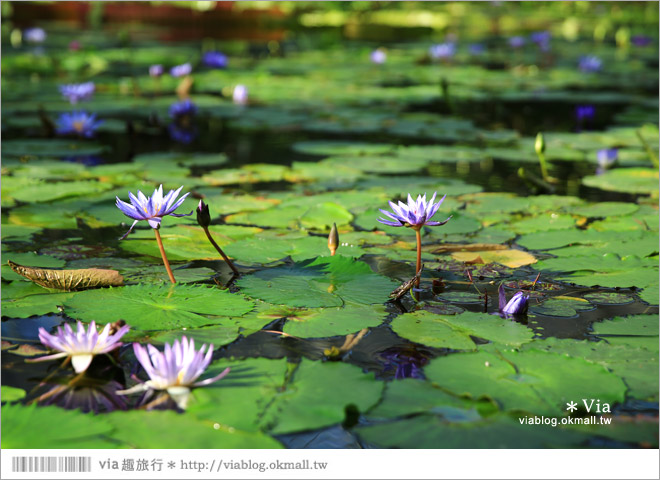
(70, 280)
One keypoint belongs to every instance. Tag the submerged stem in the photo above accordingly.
(162, 254)
(419, 255)
(225, 257)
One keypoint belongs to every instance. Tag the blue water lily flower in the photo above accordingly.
(34, 35)
(81, 124)
(541, 39)
(442, 51)
(516, 42)
(75, 92)
(215, 59)
(516, 306)
(590, 64)
(584, 112)
(152, 209)
(180, 109)
(156, 71)
(378, 56)
(181, 70)
(415, 214)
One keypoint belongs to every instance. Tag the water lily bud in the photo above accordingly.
(517, 305)
(203, 215)
(333, 239)
(539, 145)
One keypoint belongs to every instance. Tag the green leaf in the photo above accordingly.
(323, 282)
(431, 330)
(49, 148)
(532, 381)
(319, 395)
(328, 322)
(604, 209)
(151, 307)
(628, 180)
(320, 216)
(336, 147)
(11, 394)
(167, 429)
(273, 245)
(34, 305)
(52, 427)
(630, 325)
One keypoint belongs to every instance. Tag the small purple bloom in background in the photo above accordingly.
(81, 124)
(174, 370)
(442, 51)
(156, 71)
(516, 306)
(184, 135)
(240, 95)
(181, 70)
(152, 209)
(74, 46)
(590, 64)
(477, 49)
(641, 40)
(516, 42)
(34, 35)
(415, 214)
(180, 109)
(406, 364)
(541, 39)
(82, 345)
(606, 158)
(215, 60)
(75, 92)
(378, 56)
(584, 112)
(88, 160)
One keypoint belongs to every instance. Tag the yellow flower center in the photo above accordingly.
(79, 126)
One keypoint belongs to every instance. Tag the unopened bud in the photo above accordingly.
(333, 239)
(539, 145)
(203, 215)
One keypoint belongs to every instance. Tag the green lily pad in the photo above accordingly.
(34, 305)
(609, 298)
(650, 294)
(49, 148)
(167, 429)
(328, 322)
(323, 282)
(152, 307)
(320, 216)
(380, 164)
(217, 335)
(431, 330)
(640, 278)
(631, 325)
(532, 381)
(41, 427)
(319, 395)
(274, 245)
(336, 147)
(543, 223)
(434, 431)
(461, 297)
(562, 306)
(628, 180)
(11, 394)
(605, 209)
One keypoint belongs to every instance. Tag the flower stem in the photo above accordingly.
(162, 254)
(217, 247)
(419, 255)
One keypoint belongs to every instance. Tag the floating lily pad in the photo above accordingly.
(435, 431)
(562, 306)
(650, 294)
(609, 298)
(329, 322)
(461, 297)
(49, 148)
(217, 335)
(11, 394)
(323, 282)
(320, 216)
(151, 307)
(431, 330)
(631, 325)
(166, 429)
(532, 381)
(274, 245)
(605, 209)
(512, 258)
(41, 427)
(336, 147)
(628, 180)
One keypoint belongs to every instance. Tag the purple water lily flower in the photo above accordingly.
(180, 109)
(606, 157)
(641, 40)
(584, 112)
(240, 95)
(590, 64)
(541, 39)
(415, 214)
(442, 51)
(378, 56)
(81, 124)
(477, 49)
(152, 209)
(406, 364)
(516, 306)
(181, 70)
(82, 345)
(156, 71)
(34, 35)
(180, 134)
(215, 60)
(174, 370)
(516, 42)
(76, 92)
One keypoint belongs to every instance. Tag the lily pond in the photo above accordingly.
(536, 302)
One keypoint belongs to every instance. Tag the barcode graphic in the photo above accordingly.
(51, 464)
